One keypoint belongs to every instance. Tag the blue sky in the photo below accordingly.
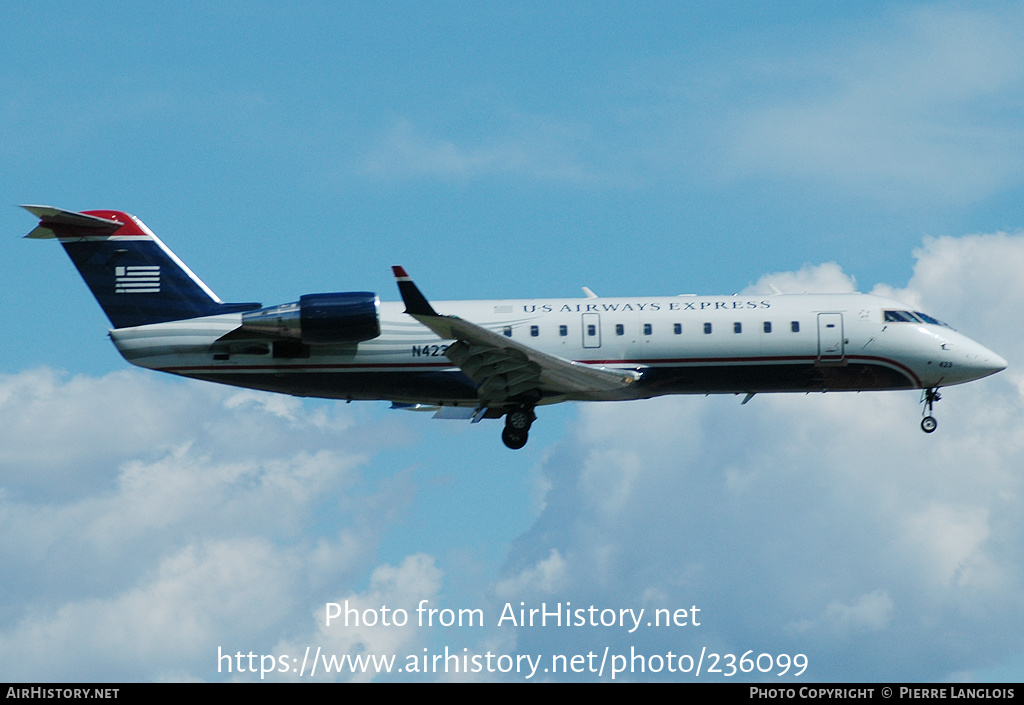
(512, 150)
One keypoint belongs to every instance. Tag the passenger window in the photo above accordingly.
(563, 331)
(507, 330)
(737, 327)
(677, 328)
(707, 329)
(767, 326)
(534, 331)
(591, 330)
(620, 329)
(648, 329)
(795, 326)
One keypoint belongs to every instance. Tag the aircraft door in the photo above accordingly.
(831, 347)
(591, 330)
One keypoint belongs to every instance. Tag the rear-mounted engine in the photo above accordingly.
(319, 319)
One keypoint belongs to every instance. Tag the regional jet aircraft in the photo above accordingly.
(504, 358)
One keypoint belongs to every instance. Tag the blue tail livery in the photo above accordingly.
(132, 274)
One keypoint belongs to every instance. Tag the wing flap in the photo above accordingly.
(555, 373)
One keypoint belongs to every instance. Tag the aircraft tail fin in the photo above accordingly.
(132, 274)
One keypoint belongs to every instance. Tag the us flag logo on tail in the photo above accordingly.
(137, 279)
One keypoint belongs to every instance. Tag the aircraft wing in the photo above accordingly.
(505, 369)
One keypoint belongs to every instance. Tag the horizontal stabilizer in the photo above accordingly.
(49, 216)
(460, 413)
(240, 334)
(414, 407)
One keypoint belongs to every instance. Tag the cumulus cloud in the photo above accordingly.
(360, 626)
(546, 576)
(973, 281)
(147, 522)
(828, 278)
(207, 593)
(55, 425)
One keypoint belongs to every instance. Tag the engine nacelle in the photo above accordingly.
(319, 319)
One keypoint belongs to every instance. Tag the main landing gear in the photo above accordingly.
(517, 427)
(930, 396)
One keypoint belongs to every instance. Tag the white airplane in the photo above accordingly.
(503, 358)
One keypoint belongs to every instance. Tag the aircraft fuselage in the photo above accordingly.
(680, 344)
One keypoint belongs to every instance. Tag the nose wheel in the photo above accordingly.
(517, 427)
(930, 396)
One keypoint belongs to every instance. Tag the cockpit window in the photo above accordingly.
(892, 316)
(929, 319)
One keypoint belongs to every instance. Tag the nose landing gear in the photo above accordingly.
(517, 427)
(930, 396)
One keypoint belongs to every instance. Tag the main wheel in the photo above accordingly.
(519, 420)
(929, 424)
(514, 439)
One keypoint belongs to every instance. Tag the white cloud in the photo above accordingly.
(69, 430)
(177, 536)
(544, 577)
(206, 593)
(974, 281)
(366, 627)
(55, 425)
(828, 278)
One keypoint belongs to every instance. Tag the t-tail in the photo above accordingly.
(132, 274)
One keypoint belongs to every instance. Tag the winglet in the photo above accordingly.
(415, 303)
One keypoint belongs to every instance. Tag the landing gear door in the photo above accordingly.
(830, 337)
(591, 330)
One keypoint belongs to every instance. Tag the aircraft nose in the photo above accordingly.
(982, 362)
